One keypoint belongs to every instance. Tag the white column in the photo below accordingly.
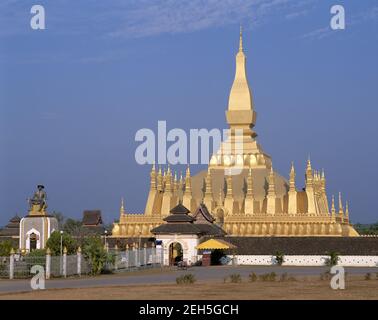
(11, 265)
(145, 254)
(127, 256)
(136, 255)
(116, 257)
(79, 261)
(65, 262)
(48, 263)
(153, 254)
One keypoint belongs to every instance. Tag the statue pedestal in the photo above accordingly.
(35, 229)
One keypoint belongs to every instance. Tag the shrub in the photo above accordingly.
(272, 276)
(268, 276)
(279, 258)
(333, 259)
(37, 253)
(252, 277)
(235, 278)
(93, 250)
(186, 279)
(368, 276)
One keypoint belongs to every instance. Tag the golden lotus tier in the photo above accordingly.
(240, 187)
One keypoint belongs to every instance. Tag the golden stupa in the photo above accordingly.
(255, 201)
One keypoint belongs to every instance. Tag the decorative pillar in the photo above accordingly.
(208, 198)
(187, 197)
(48, 263)
(311, 206)
(136, 255)
(292, 205)
(145, 253)
(127, 256)
(341, 209)
(249, 201)
(153, 254)
(333, 209)
(65, 262)
(271, 196)
(116, 257)
(11, 265)
(79, 261)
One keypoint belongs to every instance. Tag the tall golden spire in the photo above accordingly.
(160, 180)
(292, 178)
(271, 187)
(333, 209)
(309, 174)
(341, 209)
(153, 178)
(323, 182)
(122, 208)
(241, 39)
(347, 211)
(208, 190)
(188, 183)
(240, 98)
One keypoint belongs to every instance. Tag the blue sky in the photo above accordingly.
(72, 96)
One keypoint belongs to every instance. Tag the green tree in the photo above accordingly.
(73, 227)
(93, 250)
(367, 229)
(54, 243)
(5, 248)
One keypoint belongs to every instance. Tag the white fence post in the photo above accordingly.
(145, 254)
(11, 265)
(48, 263)
(127, 256)
(65, 262)
(136, 255)
(153, 254)
(116, 257)
(79, 261)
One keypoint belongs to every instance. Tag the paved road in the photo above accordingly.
(169, 276)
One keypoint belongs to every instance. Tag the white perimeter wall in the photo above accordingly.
(346, 261)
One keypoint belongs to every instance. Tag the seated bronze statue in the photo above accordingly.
(39, 198)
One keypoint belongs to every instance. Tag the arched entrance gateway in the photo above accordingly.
(176, 253)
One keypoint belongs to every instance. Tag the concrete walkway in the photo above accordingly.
(154, 276)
